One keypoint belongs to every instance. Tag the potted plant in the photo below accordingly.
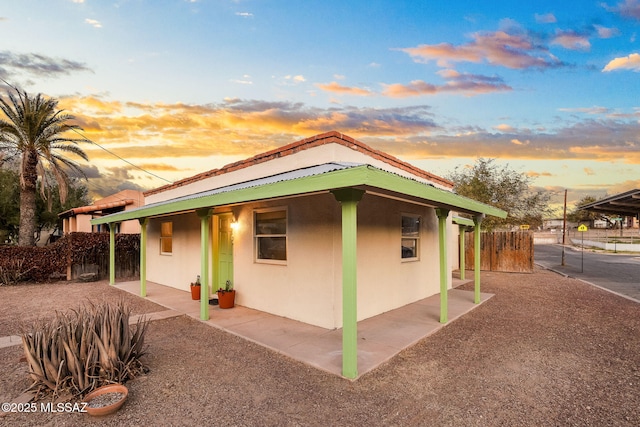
(195, 289)
(226, 296)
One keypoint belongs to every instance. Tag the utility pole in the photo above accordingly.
(564, 225)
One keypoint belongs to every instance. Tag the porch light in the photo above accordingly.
(235, 225)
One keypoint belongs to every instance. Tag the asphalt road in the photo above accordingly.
(617, 272)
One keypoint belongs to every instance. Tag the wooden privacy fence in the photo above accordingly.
(509, 251)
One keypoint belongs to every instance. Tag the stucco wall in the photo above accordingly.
(183, 265)
(309, 287)
(385, 280)
(304, 288)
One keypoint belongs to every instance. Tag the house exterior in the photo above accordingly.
(79, 219)
(326, 231)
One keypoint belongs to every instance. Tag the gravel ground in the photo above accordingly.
(546, 350)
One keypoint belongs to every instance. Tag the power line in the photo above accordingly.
(124, 160)
(105, 149)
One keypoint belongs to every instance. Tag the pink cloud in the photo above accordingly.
(335, 87)
(468, 84)
(572, 40)
(514, 51)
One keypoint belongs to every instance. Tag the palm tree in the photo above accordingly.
(33, 131)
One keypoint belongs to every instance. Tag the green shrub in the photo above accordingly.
(83, 349)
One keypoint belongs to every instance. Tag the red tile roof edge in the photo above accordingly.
(94, 208)
(314, 141)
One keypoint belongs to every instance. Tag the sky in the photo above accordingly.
(178, 87)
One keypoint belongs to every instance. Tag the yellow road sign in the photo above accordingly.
(582, 227)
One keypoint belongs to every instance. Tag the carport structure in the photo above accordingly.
(626, 204)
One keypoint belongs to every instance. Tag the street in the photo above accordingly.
(617, 272)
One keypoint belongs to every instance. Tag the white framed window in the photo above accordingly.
(166, 238)
(270, 233)
(410, 241)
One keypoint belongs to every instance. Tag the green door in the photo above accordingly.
(223, 251)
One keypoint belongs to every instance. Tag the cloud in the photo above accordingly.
(467, 84)
(535, 174)
(627, 9)
(144, 132)
(589, 171)
(504, 128)
(587, 110)
(571, 40)
(606, 33)
(174, 140)
(246, 80)
(631, 62)
(335, 87)
(20, 64)
(547, 18)
(93, 23)
(295, 79)
(244, 14)
(500, 48)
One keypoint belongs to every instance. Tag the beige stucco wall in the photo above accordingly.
(309, 287)
(183, 265)
(304, 289)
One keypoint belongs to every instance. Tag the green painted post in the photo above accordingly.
(349, 198)
(477, 220)
(205, 216)
(143, 256)
(112, 253)
(442, 243)
(462, 229)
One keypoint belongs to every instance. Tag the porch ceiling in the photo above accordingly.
(627, 203)
(311, 180)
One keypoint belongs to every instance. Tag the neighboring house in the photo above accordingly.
(557, 224)
(79, 219)
(297, 228)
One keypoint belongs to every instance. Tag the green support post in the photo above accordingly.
(462, 229)
(477, 220)
(143, 256)
(205, 217)
(349, 198)
(442, 244)
(112, 253)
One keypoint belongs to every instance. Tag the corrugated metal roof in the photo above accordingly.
(285, 176)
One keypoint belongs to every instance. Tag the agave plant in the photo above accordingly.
(85, 348)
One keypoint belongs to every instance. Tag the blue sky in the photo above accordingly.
(178, 87)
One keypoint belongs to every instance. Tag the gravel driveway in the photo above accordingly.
(546, 350)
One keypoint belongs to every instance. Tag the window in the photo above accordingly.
(166, 238)
(410, 236)
(271, 235)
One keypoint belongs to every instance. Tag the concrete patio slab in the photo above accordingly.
(379, 338)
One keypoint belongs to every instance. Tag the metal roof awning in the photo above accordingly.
(320, 178)
(626, 204)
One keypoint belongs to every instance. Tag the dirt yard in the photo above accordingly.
(546, 350)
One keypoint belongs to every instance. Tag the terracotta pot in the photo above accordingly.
(109, 408)
(195, 292)
(226, 299)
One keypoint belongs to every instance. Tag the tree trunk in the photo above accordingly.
(26, 234)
